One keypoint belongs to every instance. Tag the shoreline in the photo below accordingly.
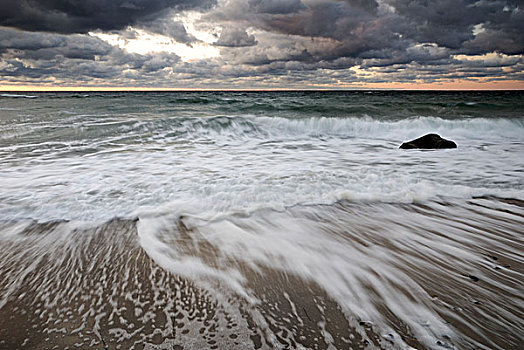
(97, 287)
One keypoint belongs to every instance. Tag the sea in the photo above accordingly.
(261, 220)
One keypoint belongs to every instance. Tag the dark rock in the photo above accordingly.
(474, 278)
(429, 141)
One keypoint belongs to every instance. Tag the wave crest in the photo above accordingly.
(236, 127)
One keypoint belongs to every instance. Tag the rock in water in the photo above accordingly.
(429, 141)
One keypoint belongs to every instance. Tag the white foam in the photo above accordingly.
(234, 164)
(17, 96)
(357, 259)
(277, 128)
(171, 258)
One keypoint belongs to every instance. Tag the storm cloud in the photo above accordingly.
(267, 42)
(235, 37)
(77, 16)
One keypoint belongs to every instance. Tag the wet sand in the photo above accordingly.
(106, 293)
(68, 286)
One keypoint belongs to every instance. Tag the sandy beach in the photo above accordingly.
(67, 286)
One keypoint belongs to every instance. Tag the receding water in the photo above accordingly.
(261, 220)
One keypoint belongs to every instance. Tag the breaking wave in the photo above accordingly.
(275, 128)
(17, 96)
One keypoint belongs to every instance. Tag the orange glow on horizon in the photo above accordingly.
(450, 85)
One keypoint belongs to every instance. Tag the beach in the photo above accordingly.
(269, 220)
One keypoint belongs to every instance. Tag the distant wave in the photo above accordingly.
(16, 96)
(388, 129)
(342, 105)
(239, 127)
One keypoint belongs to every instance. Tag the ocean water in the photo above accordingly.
(196, 220)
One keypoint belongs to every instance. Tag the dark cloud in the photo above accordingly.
(155, 63)
(452, 23)
(368, 5)
(328, 19)
(235, 37)
(36, 45)
(77, 16)
(277, 6)
(267, 41)
(74, 58)
(169, 27)
(387, 32)
(503, 32)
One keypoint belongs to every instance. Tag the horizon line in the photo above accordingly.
(141, 89)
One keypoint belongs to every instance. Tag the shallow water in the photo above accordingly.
(261, 220)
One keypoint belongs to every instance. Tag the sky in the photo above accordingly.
(261, 44)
